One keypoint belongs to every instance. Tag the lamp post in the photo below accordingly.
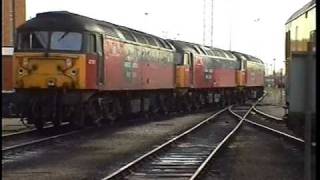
(256, 22)
(146, 22)
(230, 32)
(211, 23)
(176, 36)
(274, 71)
(281, 88)
(204, 22)
(165, 34)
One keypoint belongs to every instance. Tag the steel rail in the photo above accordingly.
(201, 168)
(19, 132)
(296, 139)
(268, 115)
(164, 145)
(10, 148)
(30, 130)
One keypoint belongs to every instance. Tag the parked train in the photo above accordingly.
(300, 68)
(68, 67)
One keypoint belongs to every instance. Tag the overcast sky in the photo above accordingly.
(256, 26)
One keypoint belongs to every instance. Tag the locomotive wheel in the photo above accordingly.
(78, 120)
(153, 114)
(57, 115)
(38, 124)
(188, 104)
(164, 108)
(196, 103)
(35, 115)
(113, 111)
(57, 119)
(107, 109)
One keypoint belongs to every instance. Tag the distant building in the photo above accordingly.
(13, 15)
(276, 80)
(269, 81)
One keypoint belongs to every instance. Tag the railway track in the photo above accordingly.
(187, 155)
(30, 131)
(278, 119)
(15, 143)
(18, 141)
(32, 137)
(254, 147)
(269, 126)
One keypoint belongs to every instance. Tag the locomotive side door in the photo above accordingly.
(245, 71)
(187, 71)
(96, 59)
(100, 59)
(191, 69)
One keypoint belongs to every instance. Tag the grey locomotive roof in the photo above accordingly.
(192, 47)
(66, 21)
(301, 11)
(248, 57)
(61, 20)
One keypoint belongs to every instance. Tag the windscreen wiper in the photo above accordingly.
(63, 35)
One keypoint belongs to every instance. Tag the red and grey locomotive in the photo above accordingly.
(68, 67)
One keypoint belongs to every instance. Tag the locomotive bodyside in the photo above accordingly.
(133, 66)
(211, 73)
(217, 71)
(252, 75)
(208, 65)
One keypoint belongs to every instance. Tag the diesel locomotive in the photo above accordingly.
(69, 67)
(300, 69)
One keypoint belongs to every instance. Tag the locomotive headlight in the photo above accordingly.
(74, 72)
(51, 82)
(25, 62)
(20, 71)
(68, 62)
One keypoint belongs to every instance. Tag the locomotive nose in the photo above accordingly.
(46, 72)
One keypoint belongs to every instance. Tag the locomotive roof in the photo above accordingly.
(200, 49)
(61, 20)
(249, 57)
(301, 11)
(66, 21)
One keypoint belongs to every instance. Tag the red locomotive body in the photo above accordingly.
(208, 72)
(137, 67)
(254, 74)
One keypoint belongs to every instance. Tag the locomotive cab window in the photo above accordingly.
(37, 40)
(186, 59)
(99, 44)
(95, 44)
(68, 41)
(92, 44)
